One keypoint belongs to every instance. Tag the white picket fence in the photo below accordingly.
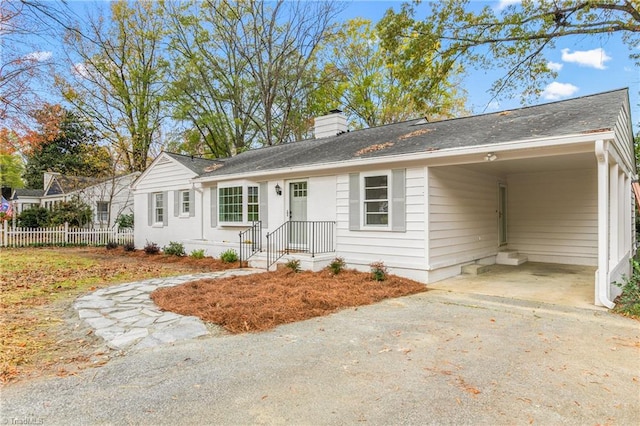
(62, 235)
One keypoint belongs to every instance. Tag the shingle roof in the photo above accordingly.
(195, 164)
(25, 192)
(580, 115)
(63, 184)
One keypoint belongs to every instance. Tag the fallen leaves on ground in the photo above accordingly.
(38, 286)
(263, 301)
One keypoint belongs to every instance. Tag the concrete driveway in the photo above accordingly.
(558, 284)
(433, 358)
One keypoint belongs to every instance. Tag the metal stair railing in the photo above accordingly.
(296, 236)
(250, 242)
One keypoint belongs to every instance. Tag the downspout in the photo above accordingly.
(200, 190)
(602, 281)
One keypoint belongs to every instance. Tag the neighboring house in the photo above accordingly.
(551, 183)
(107, 197)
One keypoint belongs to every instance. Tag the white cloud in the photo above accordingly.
(493, 106)
(80, 69)
(503, 4)
(554, 66)
(39, 56)
(555, 91)
(594, 58)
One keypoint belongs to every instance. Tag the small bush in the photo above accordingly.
(628, 303)
(337, 265)
(151, 248)
(378, 271)
(294, 265)
(130, 246)
(112, 245)
(174, 249)
(229, 256)
(125, 221)
(197, 254)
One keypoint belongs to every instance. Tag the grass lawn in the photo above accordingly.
(38, 286)
(41, 333)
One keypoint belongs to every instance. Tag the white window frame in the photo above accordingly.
(364, 200)
(185, 205)
(158, 208)
(100, 213)
(245, 203)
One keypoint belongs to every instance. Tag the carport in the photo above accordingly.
(563, 203)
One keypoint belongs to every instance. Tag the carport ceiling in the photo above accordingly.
(538, 164)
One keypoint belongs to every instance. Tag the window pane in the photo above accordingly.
(375, 181)
(159, 210)
(376, 194)
(185, 204)
(230, 204)
(252, 204)
(376, 200)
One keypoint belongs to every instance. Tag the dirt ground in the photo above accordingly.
(41, 334)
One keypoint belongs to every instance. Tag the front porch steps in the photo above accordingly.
(510, 257)
(307, 262)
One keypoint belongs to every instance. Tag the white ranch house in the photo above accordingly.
(548, 183)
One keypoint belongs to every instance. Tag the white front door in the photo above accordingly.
(298, 213)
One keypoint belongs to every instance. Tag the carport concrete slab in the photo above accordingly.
(569, 285)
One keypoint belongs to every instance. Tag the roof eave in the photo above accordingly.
(427, 155)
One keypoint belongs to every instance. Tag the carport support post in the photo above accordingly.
(602, 279)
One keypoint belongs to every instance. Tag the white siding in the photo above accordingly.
(321, 198)
(113, 191)
(463, 221)
(402, 252)
(553, 216)
(165, 176)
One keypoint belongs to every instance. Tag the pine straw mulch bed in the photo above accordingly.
(261, 301)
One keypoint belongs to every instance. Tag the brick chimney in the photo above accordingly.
(330, 125)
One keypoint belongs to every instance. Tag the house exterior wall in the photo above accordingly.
(166, 176)
(462, 217)
(404, 253)
(321, 201)
(553, 216)
(114, 191)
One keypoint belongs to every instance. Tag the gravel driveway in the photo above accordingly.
(432, 358)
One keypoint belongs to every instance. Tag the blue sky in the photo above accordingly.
(585, 64)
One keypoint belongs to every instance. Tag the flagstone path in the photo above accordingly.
(127, 319)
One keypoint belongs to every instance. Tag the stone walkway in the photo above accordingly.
(127, 319)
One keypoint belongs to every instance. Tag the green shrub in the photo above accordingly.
(337, 265)
(197, 254)
(378, 271)
(229, 256)
(174, 249)
(112, 245)
(125, 221)
(130, 246)
(35, 217)
(294, 265)
(73, 212)
(151, 248)
(628, 303)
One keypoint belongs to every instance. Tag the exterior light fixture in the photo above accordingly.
(278, 189)
(490, 157)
